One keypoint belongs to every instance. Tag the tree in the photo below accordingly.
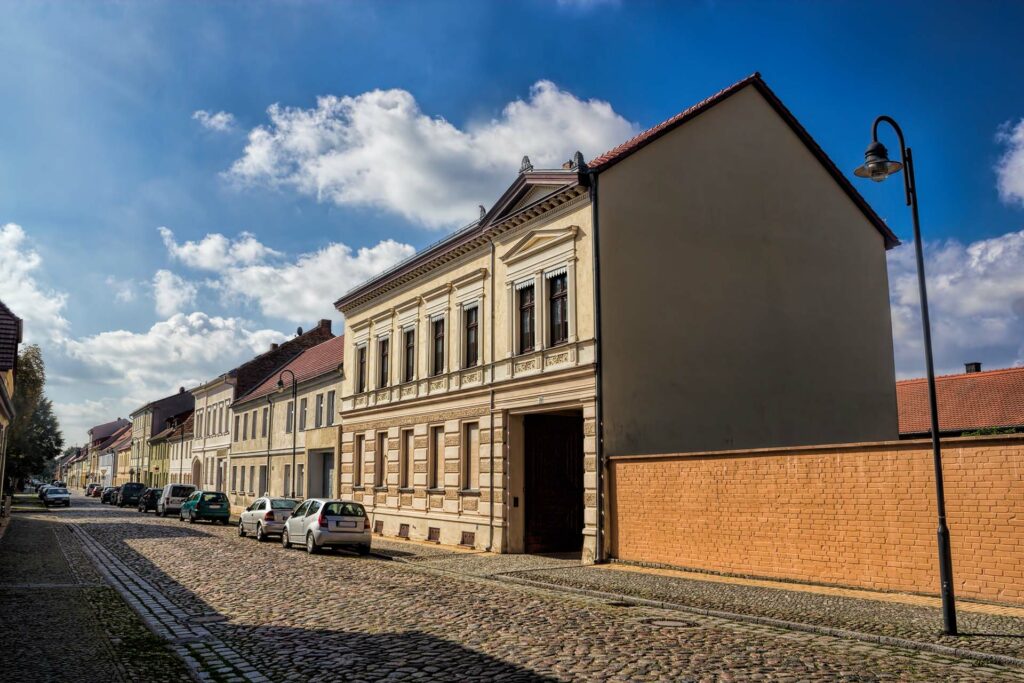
(35, 437)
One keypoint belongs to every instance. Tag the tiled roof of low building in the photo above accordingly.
(115, 437)
(10, 337)
(966, 402)
(319, 360)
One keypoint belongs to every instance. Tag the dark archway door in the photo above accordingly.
(553, 450)
(197, 473)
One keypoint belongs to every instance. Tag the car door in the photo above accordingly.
(294, 524)
(253, 513)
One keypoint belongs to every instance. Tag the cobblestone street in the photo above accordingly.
(235, 609)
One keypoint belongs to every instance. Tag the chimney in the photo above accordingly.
(972, 367)
(273, 346)
(324, 324)
(181, 390)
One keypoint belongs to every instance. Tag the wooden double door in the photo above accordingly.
(553, 478)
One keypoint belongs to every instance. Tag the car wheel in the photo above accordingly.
(260, 536)
(191, 518)
(311, 546)
(241, 529)
(364, 550)
(284, 539)
(162, 513)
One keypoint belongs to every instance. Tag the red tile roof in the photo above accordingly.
(310, 364)
(993, 398)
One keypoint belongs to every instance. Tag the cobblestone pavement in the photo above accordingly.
(61, 622)
(285, 615)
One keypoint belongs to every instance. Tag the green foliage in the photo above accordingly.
(992, 431)
(35, 437)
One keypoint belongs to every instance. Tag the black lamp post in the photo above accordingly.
(877, 166)
(295, 410)
(270, 434)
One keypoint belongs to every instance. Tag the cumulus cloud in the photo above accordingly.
(1010, 168)
(302, 290)
(124, 290)
(172, 293)
(41, 308)
(379, 150)
(976, 299)
(220, 121)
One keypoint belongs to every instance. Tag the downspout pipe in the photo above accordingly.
(599, 550)
(270, 435)
(490, 503)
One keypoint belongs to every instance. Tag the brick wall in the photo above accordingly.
(856, 515)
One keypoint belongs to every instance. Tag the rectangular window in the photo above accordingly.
(330, 408)
(380, 459)
(265, 426)
(253, 432)
(238, 433)
(407, 455)
(299, 479)
(252, 478)
(262, 490)
(289, 419)
(438, 330)
(357, 461)
(526, 336)
(472, 336)
(361, 376)
(287, 481)
(383, 355)
(245, 426)
(199, 425)
(241, 488)
(471, 456)
(234, 478)
(223, 414)
(558, 308)
(436, 457)
(410, 355)
(318, 415)
(302, 415)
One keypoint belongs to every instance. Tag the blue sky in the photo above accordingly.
(100, 145)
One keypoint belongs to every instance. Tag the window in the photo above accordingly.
(318, 415)
(472, 336)
(289, 420)
(301, 510)
(380, 459)
(407, 455)
(241, 488)
(357, 461)
(199, 425)
(384, 354)
(361, 376)
(410, 355)
(438, 329)
(253, 432)
(234, 478)
(299, 479)
(266, 416)
(558, 308)
(471, 456)
(302, 415)
(526, 319)
(436, 457)
(330, 408)
(223, 413)
(263, 480)
(252, 478)
(237, 433)
(287, 480)
(245, 426)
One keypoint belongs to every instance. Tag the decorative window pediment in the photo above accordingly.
(538, 241)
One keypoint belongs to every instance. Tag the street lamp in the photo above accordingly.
(877, 166)
(270, 434)
(295, 393)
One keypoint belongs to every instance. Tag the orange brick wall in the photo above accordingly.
(856, 515)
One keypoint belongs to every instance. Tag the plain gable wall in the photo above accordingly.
(744, 296)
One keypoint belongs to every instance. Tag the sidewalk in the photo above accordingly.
(59, 620)
(985, 628)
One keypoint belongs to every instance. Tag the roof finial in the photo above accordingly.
(483, 211)
(526, 166)
(578, 162)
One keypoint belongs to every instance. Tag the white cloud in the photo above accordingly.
(378, 149)
(42, 309)
(220, 121)
(976, 300)
(216, 252)
(1010, 168)
(172, 293)
(300, 291)
(124, 290)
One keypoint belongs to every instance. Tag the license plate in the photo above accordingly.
(215, 507)
(345, 525)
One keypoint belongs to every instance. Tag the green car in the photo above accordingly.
(211, 505)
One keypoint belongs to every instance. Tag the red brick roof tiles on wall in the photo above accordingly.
(993, 398)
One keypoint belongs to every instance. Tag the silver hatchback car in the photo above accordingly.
(266, 517)
(325, 522)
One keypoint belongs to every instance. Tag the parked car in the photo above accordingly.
(147, 501)
(98, 491)
(109, 494)
(323, 522)
(266, 517)
(41, 491)
(211, 505)
(171, 498)
(129, 493)
(58, 482)
(56, 495)
(89, 488)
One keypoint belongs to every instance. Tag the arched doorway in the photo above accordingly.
(197, 472)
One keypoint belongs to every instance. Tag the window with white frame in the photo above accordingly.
(471, 335)
(437, 339)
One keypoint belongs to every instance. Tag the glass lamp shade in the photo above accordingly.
(877, 165)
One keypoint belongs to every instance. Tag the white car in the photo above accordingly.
(172, 497)
(55, 495)
(266, 517)
(320, 522)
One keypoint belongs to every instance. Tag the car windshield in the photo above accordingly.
(181, 491)
(213, 497)
(283, 504)
(344, 510)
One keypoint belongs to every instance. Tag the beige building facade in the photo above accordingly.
(207, 460)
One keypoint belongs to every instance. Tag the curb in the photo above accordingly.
(889, 641)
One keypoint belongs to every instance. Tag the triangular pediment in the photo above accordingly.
(539, 240)
(527, 189)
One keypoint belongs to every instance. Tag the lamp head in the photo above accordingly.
(877, 164)
(280, 385)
